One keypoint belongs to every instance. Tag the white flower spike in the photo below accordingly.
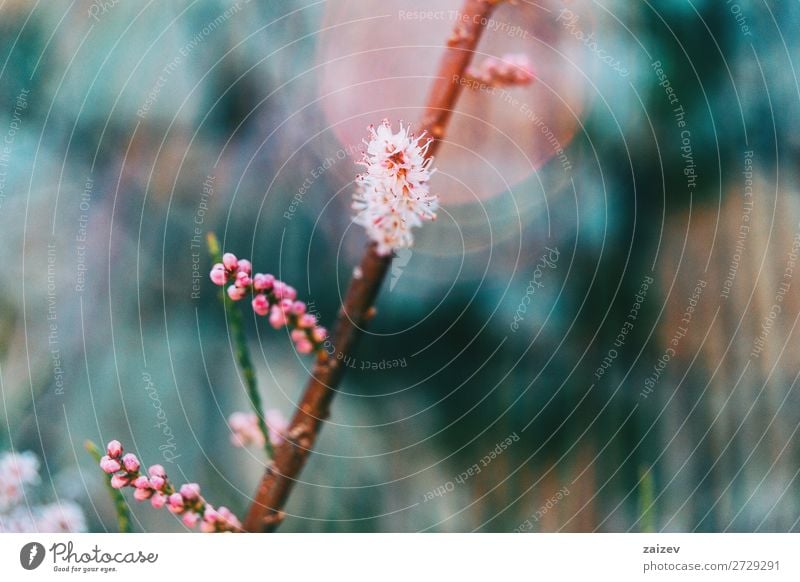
(393, 196)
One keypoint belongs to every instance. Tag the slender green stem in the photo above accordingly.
(120, 505)
(236, 324)
(646, 493)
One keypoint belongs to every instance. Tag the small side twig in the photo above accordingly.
(120, 505)
(266, 511)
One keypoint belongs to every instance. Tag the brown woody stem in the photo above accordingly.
(266, 511)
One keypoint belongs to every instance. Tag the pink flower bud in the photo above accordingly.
(286, 305)
(158, 500)
(298, 335)
(238, 420)
(190, 519)
(175, 503)
(319, 335)
(263, 282)
(210, 514)
(230, 520)
(218, 274)
(298, 308)
(277, 425)
(157, 483)
(157, 471)
(260, 304)
(142, 494)
(131, 463)
(141, 482)
(119, 481)
(109, 465)
(305, 347)
(190, 491)
(243, 279)
(307, 321)
(230, 262)
(245, 266)
(290, 293)
(236, 293)
(114, 449)
(276, 317)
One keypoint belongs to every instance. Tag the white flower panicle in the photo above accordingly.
(393, 195)
(16, 471)
(19, 478)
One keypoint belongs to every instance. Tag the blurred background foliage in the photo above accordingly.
(103, 338)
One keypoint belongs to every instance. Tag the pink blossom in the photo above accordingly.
(236, 293)
(158, 500)
(510, 70)
(175, 503)
(229, 518)
(230, 262)
(307, 321)
(210, 519)
(218, 274)
(245, 430)
(60, 517)
(319, 334)
(277, 425)
(109, 465)
(141, 482)
(277, 318)
(157, 482)
(190, 491)
(119, 481)
(245, 266)
(156, 471)
(243, 280)
(262, 282)
(190, 519)
(130, 462)
(278, 289)
(114, 449)
(271, 298)
(304, 346)
(260, 304)
(142, 494)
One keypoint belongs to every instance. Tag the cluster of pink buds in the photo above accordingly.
(245, 430)
(510, 70)
(270, 297)
(185, 501)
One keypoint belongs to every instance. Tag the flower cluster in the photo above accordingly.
(246, 432)
(393, 195)
(19, 476)
(510, 70)
(270, 297)
(185, 501)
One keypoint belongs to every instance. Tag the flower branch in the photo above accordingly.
(266, 511)
(120, 505)
(154, 486)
